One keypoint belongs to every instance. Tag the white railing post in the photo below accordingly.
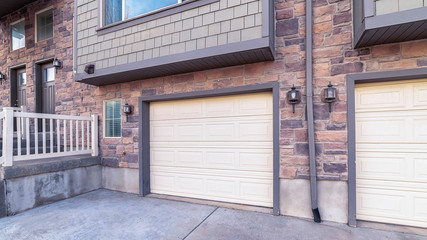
(8, 137)
(24, 127)
(94, 135)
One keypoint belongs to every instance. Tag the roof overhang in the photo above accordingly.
(10, 6)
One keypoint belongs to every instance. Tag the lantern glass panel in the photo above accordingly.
(331, 93)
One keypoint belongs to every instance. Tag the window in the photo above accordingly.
(391, 6)
(18, 35)
(44, 25)
(113, 120)
(119, 10)
(49, 74)
(22, 78)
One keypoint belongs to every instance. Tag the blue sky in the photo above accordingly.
(138, 7)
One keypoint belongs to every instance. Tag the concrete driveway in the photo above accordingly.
(104, 214)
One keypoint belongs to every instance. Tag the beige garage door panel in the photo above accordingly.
(214, 148)
(391, 150)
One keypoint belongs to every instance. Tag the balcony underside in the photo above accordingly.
(9, 6)
(392, 28)
(252, 51)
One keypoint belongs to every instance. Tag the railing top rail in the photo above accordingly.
(13, 108)
(51, 116)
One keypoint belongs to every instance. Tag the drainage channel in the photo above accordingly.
(200, 223)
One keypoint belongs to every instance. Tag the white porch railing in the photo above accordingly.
(15, 109)
(46, 135)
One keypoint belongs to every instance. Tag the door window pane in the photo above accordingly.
(113, 119)
(22, 79)
(49, 74)
(44, 25)
(18, 35)
(113, 11)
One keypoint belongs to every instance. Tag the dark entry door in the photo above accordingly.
(21, 88)
(49, 90)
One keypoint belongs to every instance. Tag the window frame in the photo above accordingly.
(36, 24)
(11, 34)
(105, 118)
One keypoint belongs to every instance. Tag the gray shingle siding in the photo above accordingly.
(218, 23)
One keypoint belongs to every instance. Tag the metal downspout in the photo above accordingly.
(310, 113)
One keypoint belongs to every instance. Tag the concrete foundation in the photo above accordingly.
(32, 191)
(121, 179)
(333, 199)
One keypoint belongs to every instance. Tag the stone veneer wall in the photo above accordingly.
(334, 59)
(211, 25)
(72, 98)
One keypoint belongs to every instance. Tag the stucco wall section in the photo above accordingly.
(218, 23)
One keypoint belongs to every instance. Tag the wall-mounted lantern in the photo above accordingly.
(56, 64)
(330, 95)
(2, 78)
(90, 68)
(293, 97)
(127, 109)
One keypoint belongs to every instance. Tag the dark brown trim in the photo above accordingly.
(268, 23)
(221, 56)
(144, 130)
(38, 84)
(13, 83)
(352, 80)
(368, 8)
(164, 12)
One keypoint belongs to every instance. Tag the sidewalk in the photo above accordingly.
(104, 214)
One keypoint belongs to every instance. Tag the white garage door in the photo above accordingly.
(391, 151)
(217, 148)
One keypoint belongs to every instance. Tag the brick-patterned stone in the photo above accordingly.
(342, 18)
(335, 167)
(284, 14)
(385, 50)
(287, 27)
(422, 62)
(347, 68)
(414, 49)
(291, 124)
(334, 59)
